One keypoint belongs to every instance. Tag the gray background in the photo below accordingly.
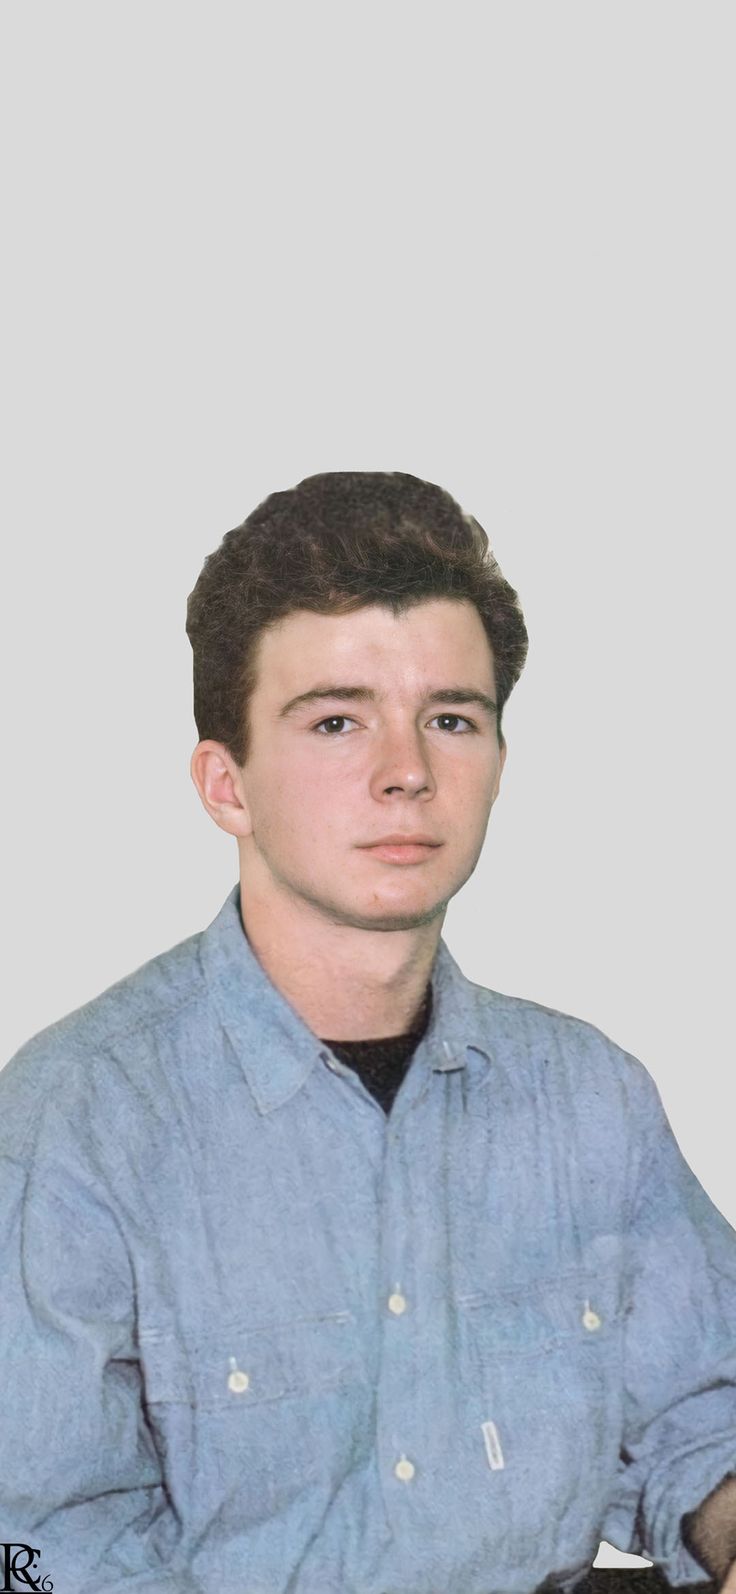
(488, 244)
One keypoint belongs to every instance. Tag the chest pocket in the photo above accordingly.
(246, 1419)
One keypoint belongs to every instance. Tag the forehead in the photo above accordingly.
(439, 635)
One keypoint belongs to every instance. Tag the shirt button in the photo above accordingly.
(238, 1382)
(404, 1470)
(591, 1319)
(397, 1303)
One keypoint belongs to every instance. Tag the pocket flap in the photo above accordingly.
(546, 1312)
(243, 1365)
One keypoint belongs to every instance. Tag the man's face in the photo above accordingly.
(328, 776)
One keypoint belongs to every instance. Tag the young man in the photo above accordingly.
(324, 1270)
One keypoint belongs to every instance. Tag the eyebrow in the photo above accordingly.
(445, 694)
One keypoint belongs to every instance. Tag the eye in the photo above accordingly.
(465, 721)
(331, 720)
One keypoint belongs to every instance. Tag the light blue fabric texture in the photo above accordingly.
(258, 1338)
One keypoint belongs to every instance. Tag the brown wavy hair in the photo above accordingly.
(332, 544)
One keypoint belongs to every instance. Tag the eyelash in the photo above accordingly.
(348, 717)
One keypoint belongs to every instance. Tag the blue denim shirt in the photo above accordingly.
(256, 1337)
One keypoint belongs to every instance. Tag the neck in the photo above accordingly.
(344, 981)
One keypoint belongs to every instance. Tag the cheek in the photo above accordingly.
(301, 806)
(470, 791)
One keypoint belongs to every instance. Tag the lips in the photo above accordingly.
(403, 841)
(403, 852)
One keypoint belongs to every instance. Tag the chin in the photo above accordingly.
(382, 916)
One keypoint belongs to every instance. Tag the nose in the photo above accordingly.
(402, 764)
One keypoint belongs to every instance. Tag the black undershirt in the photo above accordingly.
(381, 1064)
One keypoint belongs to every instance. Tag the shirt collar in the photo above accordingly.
(276, 1048)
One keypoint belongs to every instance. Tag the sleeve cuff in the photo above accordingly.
(673, 1492)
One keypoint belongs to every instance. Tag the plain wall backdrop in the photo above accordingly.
(491, 245)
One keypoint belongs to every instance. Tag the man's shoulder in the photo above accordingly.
(524, 1012)
(534, 1035)
(78, 1051)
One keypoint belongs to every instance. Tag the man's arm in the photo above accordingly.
(80, 1479)
(679, 1431)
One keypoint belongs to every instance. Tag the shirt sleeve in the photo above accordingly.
(80, 1479)
(679, 1349)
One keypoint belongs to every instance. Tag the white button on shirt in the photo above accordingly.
(404, 1470)
(397, 1303)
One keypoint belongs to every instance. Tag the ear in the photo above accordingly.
(501, 761)
(218, 781)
